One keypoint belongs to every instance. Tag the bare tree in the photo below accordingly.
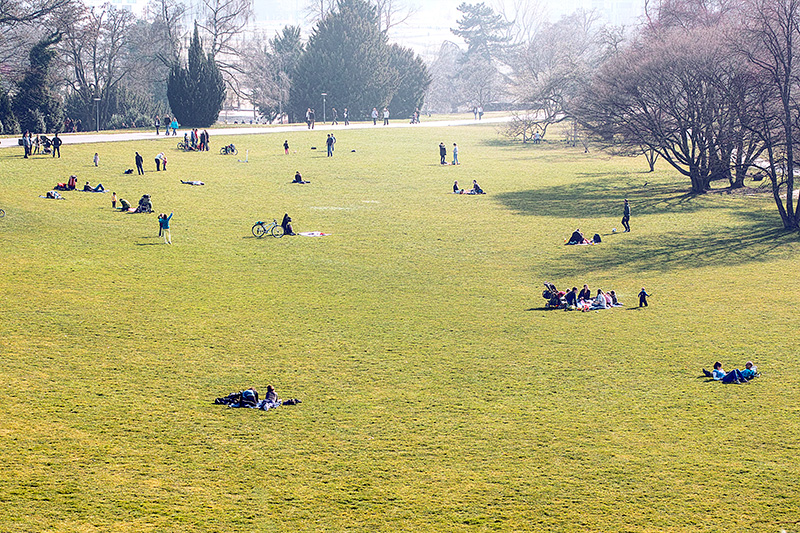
(223, 22)
(14, 12)
(96, 52)
(168, 29)
(392, 13)
(317, 10)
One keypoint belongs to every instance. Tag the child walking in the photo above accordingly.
(643, 298)
(286, 147)
(163, 222)
(96, 159)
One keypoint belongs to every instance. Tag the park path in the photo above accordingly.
(84, 138)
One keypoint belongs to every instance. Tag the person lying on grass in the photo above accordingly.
(192, 182)
(89, 188)
(734, 376)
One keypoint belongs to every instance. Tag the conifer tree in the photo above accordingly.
(347, 57)
(196, 93)
(35, 101)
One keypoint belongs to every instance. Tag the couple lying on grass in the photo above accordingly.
(734, 376)
(249, 398)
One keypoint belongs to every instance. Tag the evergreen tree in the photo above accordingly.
(196, 93)
(347, 57)
(484, 31)
(7, 118)
(413, 80)
(35, 100)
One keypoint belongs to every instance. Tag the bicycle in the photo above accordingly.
(228, 150)
(261, 228)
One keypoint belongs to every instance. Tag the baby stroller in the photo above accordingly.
(46, 144)
(555, 298)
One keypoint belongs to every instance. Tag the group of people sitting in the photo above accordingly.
(476, 189)
(249, 398)
(579, 300)
(145, 205)
(72, 183)
(734, 376)
(578, 238)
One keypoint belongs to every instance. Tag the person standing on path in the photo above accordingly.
(626, 216)
(480, 112)
(455, 154)
(166, 125)
(443, 153)
(56, 146)
(346, 117)
(374, 116)
(157, 123)
(139, 161)
(163, 222)
(312, 117)
(385, 116)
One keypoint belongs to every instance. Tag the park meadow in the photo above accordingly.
(437, 393)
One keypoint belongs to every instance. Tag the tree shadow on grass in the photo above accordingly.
(602, 195)
(683, 250)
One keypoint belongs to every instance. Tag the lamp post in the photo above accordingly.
(323, 106)
(97, 113)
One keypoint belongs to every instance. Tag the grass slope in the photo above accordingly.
(437, 396)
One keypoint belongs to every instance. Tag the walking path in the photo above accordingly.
(82, 138)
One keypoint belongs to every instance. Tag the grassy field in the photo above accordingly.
(437, 394)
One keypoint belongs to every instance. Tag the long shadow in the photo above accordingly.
(681, 250)
(603, 194)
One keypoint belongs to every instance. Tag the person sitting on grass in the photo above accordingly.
(476, 189)
(572, 297)
(456, 190)
(89, 188)
(614, 301)
(585, 294)
(298, 178)
(124, 205)
(600, 301)
(286, 224)
(577, 238)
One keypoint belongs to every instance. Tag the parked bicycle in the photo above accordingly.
(228, 150)
(262, 228)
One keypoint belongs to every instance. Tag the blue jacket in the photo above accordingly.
(164, 222)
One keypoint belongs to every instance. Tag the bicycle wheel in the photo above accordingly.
(180, 146)
(2, 213)
(235, 151)
(277, 231)
(223, 150)
(259, 230)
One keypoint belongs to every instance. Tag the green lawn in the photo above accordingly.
(437, 395)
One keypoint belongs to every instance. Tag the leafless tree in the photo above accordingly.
(15, 12)
(223, 22)
(167, 29)
(392, 13)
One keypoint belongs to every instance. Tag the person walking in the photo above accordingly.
(166, 125)
(455, 154)
(163, 222)
(26, 143)
(286, 147)
(96, 159)
(157, 123)
(346, 117)
(335, 119)
(56, 146)
(313, 117)
(443, 153)
(308, 117)
(374, 116)
(480, 112)
(205, 141)
(139, 161)
(385, 116)
(626, 217)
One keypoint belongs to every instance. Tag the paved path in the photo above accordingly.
(82, 138)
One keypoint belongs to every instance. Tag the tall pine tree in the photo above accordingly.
(196, 93)
(36, 105)
(413, 80)
(347, 57)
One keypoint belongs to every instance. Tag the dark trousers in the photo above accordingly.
(139, 168)
(642, 301)
(625, 223)
(158, 164)
(56, 150)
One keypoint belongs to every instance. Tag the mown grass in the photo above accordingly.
(437, 395)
